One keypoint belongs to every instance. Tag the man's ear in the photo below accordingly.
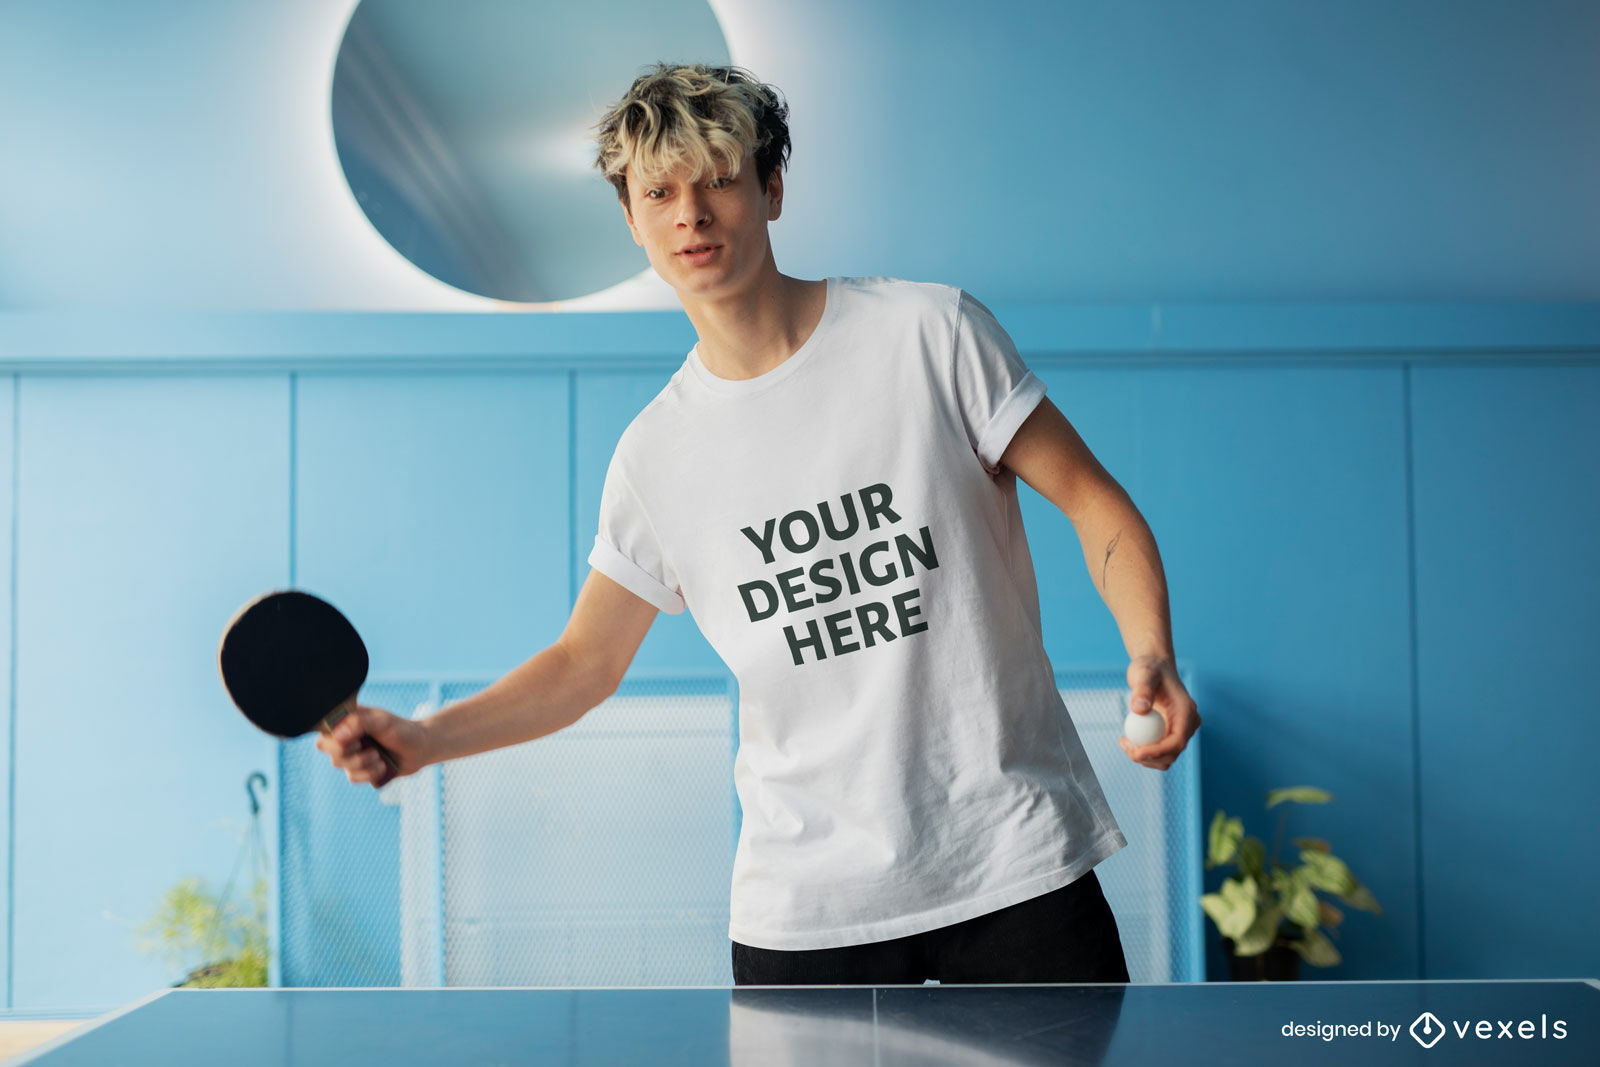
(774, 194)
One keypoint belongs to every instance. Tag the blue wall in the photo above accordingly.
(178, 153)
(1379, 567)
(1369, 458)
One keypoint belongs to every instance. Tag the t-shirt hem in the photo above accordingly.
(606, 559)
(1105, 845)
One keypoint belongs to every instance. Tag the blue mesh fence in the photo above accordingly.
(338, 897)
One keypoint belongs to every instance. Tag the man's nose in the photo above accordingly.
(693, 209)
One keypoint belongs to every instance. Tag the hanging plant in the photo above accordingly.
(193, 925)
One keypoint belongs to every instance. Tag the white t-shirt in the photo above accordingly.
(844, 537)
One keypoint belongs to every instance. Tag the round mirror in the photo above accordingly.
(465, 132)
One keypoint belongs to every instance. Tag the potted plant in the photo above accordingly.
(192, 923)
(1268, 913)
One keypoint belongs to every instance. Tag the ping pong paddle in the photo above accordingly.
(293, 663)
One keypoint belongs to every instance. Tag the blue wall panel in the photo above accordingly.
(1277, 497)
(1508, 615)
(8, 425)
(150, 508)
(433, 509)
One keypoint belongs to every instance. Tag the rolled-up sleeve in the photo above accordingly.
(994, 388)
(626, 548)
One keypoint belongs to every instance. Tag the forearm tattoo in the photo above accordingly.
(1112, 547)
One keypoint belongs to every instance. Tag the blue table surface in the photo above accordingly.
(1442, 1022)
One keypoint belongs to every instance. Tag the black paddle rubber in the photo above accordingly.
(293, 663)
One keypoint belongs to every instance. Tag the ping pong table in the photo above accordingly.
(1438, 1022)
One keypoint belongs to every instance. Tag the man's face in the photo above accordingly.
(706, 238)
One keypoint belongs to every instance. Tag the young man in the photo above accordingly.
(829, 484)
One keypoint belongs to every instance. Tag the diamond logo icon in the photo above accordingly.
(1427, 1029)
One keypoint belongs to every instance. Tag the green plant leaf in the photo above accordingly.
(1328, 872)
(1329, 915)
(191, 924)
(1244, 895)
(1298, 794)
(1233, 909)
(1220, 912)
(1252, 858)
(1301, 904)
(1360, 897)
(1261, 934)
(1315, 844)
(1224, 839)
(1316, 949)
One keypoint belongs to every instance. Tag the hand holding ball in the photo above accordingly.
(1144, 729)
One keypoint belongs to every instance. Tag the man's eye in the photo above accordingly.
(654, 194)
(718, 183)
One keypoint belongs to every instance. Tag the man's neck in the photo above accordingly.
(747, 334)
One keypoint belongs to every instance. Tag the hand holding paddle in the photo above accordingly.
(355, 743)
(292, 663)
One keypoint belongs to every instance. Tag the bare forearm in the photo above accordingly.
(1120, 552)
(544, 694)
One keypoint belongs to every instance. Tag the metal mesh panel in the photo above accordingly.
(1154, 884)
(602, 855)
(597, 856)
(338, 898)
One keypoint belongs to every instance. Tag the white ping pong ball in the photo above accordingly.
(1144, 729)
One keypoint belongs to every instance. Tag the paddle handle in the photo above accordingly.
(337, 715)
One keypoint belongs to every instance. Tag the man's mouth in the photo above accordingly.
(694, 249)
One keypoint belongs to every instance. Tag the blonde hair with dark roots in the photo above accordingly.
(705, 117)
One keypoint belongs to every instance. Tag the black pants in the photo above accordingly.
(1068, 935)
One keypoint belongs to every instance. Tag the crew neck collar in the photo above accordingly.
(783, 371)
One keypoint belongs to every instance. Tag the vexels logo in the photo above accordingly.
(1427, 1029)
